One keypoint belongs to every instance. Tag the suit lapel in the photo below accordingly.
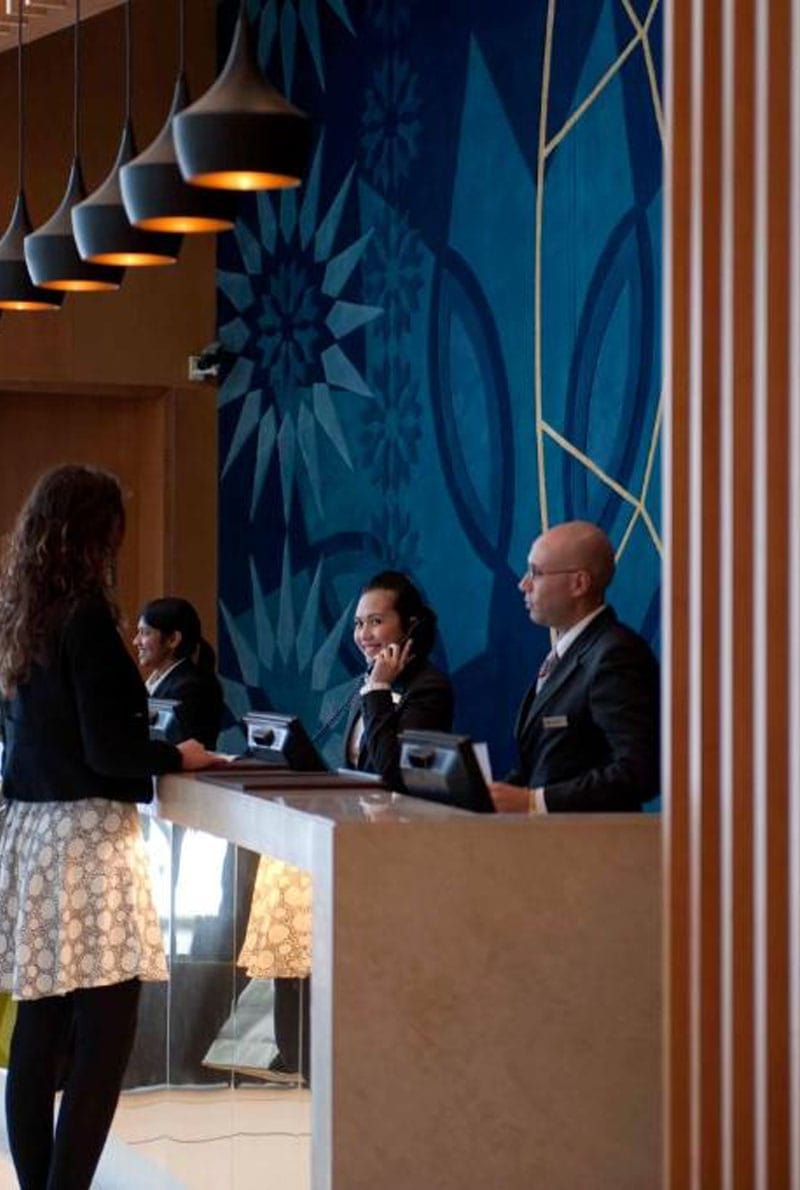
(395, 690)
(563, 671)
(352, 715)
(524, 710)
(561, 674)
(169, 681)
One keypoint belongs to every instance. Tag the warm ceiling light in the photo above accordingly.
(100, 225)
(242, 134)
(154, 193)
(53, 257)
(102, 231)
(50, 251)
(17, 290)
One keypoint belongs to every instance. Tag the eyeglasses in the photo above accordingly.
(534, 572)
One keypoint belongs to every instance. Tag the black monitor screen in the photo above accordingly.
(443, 768)
(281, 740)
(162, 719)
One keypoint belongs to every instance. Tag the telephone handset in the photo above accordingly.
(413, 625)
(327, 724)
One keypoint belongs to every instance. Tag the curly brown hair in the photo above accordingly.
(61, 550)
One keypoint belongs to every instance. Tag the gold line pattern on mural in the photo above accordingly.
(639, 507)
(608, 480)
(537, 329)
(644, 29)
(640, 37)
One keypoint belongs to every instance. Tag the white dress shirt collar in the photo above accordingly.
(154, 681)
(569, 637)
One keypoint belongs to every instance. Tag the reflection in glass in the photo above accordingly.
(198, 886)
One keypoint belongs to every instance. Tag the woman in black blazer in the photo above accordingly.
(395, 631)
(180, 665)
(78, 929)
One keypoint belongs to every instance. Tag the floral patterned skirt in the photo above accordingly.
(76, 910)
(277, 944)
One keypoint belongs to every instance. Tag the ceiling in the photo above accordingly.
(41, 17)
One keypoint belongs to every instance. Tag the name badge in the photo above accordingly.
(551, 722)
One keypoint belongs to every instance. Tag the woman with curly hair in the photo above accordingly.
(78, 929)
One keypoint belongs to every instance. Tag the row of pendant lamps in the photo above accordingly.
(240, 135)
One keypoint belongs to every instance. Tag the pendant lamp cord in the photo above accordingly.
(181, 37)
(128, 63)
(76, 76)
(20, 100)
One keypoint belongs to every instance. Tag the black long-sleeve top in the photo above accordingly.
(78, 727)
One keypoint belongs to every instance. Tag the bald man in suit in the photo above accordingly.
(588, 729)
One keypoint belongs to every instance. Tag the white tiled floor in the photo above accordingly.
(239, 1139)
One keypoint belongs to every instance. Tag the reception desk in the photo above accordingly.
(486, 1007)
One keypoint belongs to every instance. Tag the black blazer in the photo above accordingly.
(198, 715)
(78, 727)
(425, 702)
(590, 737)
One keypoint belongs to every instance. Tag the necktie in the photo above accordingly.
(546, 668)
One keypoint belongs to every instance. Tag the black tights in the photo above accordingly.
(92, 1030)
(292, 1020)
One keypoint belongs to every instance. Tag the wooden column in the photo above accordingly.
(732, 595)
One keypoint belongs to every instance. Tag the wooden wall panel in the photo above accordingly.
(677, 1098)
(793, 642)
(162, 445)
(122, 435)
(732, 824)
(737, 580)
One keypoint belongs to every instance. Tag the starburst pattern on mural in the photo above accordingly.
(283, 648)
(391, 435)
(286, 20)
(391, 121)
(288, 326)
(389, 17)
(393, 271)
(398, 540)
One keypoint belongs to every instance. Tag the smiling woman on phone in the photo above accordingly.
(395, 631)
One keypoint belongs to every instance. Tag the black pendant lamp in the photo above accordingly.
(17, 290)
(242, 134)
(154, 193)
(50, 251)
(100, 225)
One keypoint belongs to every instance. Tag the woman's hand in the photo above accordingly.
(195, 756)
(389, 664)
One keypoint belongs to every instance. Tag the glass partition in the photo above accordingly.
(210, 1098)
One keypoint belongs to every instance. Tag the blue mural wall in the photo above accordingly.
(445, 340)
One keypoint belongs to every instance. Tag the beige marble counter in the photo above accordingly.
(486, 994)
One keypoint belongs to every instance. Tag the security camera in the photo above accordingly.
(205, 366)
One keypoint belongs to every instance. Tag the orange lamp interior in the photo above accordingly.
(237, 179)
(32, 307)
(184, 224)
(75, 286)
(132, 260)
